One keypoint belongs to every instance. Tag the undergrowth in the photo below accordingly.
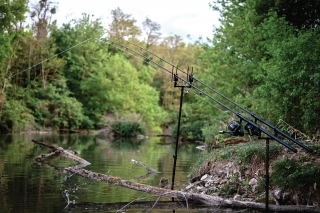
(296, 173)
(244, 153)
(291, 174)
(126, 128)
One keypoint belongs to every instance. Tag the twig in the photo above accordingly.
(155, 202)
(150, 170)
(66, 195)
(120, 210)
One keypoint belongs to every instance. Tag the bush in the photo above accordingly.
(53, 107)
(127, 128)
(290, 174)
(228, 189)
(192, 130)
(15, 117)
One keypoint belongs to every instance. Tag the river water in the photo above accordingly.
(27, 186)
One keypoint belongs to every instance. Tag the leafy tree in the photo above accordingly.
(53, 107)
(12, 12)
(301, 14)
(292, 79)
(127, 94)
(85, 64)
(41, 14)
(171, 45)
(151, 30)
(15, 117)
(102, 82)
(12, 15)
(122, 25)
(254, 54)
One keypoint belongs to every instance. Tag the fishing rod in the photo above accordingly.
(235, 128)
(256, 117)
(176, 77)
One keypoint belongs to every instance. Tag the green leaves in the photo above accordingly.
(290, 81)
(264, 63)
(127, 128)
(54, 108)
(106, 83)
(290, 174)
(129, 94)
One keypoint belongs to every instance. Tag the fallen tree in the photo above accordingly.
(204, 199)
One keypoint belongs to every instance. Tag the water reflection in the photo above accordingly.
(26, 186)
(127, 144)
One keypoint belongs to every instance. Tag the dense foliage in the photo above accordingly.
(264, 55)
(127, 129)
(298, 177)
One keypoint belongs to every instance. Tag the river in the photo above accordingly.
(26, 186)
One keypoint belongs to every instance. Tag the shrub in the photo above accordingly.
(127, 128)
(15, 117)
(290, 174)
(190, 131)
(228, 189)
(210, 134)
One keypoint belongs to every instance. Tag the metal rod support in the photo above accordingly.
(267, 175)
(175, 156)
(256, 118)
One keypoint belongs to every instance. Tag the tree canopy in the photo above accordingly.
(264, 56)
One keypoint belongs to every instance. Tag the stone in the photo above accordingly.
(237, 197)
(204, 177)
(277, 193)
(253, 182)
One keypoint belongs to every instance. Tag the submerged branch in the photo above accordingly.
(150, 169)
(208, 200)
(56, 150)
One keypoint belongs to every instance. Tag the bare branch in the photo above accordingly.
(150, 170)
(60, 151)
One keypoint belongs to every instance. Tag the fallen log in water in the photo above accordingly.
(208, 200)
(56, 150)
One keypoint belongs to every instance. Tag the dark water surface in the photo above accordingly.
(26, 186)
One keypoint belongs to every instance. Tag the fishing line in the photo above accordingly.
(242, 117)
(203, 99)
(47, 59)
(201, 82)
(256, 117)
(141, 56)
(128, 50)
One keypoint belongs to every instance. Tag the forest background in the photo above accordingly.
(264, 56)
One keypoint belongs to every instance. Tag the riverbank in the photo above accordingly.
(238, 172)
